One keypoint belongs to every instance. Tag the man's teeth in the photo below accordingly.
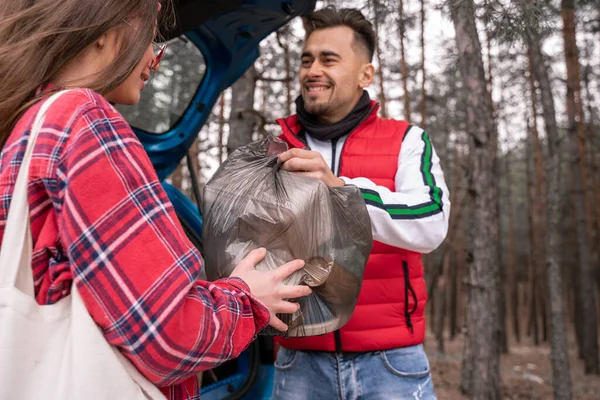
(317, 89)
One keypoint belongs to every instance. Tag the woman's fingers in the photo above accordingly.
(277, 323)
(249, 262)
(295, 291)
(282, 272)
(254, 257)
(286, 307)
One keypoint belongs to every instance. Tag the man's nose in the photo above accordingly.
(315, 69)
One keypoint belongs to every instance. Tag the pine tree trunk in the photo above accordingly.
(284, 44)
(242, 118)
(403, 67)
(423, 75)
(537, 207)
(456, 244)
(460, 273)
(454, 286)
(382, 97)
(539, 204)
(510, 259)
(575, 273)
(177, 177)
(481, 348)
(288, 77)
(591, 124)
(502, 339)
(501, 282)
(221, 126)
(441, 294)
(593, 162)
(194, 154)
(533, 326)
(559, 350)
(454, 223)
(582, 208)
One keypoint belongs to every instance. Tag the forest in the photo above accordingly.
(509, 92)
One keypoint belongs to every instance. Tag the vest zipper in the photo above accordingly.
(336, 334)
(408, 289)
(333, 152)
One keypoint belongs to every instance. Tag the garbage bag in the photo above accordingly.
(250, 202)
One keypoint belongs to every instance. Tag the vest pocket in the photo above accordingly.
(408, 291)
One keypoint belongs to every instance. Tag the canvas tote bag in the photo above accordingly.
(52, 352)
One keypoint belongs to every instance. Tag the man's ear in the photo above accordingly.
(367, 74)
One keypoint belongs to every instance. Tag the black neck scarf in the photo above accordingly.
(324, 131)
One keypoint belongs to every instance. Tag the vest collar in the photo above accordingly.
(292, 127)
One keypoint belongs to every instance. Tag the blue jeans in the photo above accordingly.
(401, 373)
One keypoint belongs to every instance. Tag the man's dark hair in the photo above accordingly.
(331, 17)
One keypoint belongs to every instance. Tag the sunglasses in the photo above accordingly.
(158, 57)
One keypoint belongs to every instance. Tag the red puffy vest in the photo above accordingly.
(390, 312)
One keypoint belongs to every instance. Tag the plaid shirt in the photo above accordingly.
(99, 217)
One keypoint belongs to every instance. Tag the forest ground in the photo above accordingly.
(526, 371)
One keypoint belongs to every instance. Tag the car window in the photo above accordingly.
(170, 90)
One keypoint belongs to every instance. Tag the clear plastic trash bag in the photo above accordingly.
(250, 203)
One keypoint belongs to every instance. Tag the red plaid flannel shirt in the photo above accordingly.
(100, 217)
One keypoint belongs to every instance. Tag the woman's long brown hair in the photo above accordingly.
(39, 37)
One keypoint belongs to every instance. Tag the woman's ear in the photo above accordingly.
(367, 74)
(101, 42)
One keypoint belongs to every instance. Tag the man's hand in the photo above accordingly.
(309, 163)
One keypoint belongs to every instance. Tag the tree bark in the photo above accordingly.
(221, 126)
(456, 245)
(593, 162)
(559, 350)
(284, 44)
(540, 203)
(382, 97)
(574, 280)
(177, 177)
(501, 282)
(533, 324)
(242, 118)
(194, 154)
(423, 75)
(454, 223)
(454, 288)
(459, 307)
(442, 304)
(403, 67)
(481, 349)
(510, 259)
(582, 208)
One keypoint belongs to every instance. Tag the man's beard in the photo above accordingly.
(318, 108)
(322, 108)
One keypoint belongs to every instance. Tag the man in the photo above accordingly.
(378, 354)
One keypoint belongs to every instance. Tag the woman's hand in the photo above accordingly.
(268, 286)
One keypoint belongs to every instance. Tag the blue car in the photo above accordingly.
(212, 45)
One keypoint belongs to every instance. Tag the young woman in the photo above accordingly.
(99, 216)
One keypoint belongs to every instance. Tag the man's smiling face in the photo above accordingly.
(332, 73)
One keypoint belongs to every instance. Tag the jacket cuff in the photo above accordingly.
(259, 309)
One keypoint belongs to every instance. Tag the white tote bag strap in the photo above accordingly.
(17, 247)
